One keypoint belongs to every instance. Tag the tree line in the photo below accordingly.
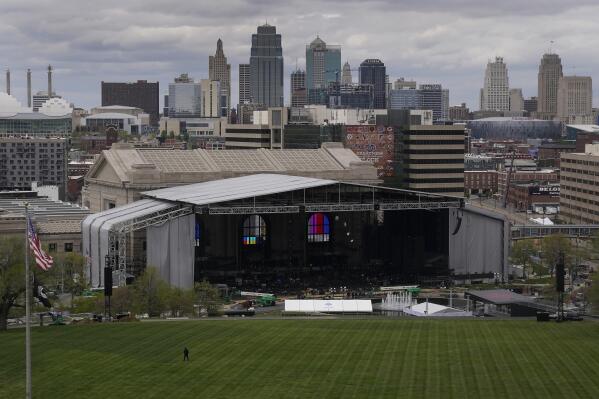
(148, 295)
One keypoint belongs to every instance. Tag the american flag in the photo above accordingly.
(43, 260)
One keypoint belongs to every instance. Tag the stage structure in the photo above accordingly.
(273, 230)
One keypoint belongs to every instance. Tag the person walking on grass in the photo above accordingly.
(185, 354)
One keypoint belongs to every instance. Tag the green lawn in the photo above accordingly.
(378, 358)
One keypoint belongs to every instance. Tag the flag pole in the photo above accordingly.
(27, 309)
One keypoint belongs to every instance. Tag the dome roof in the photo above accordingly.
(10, 106)
(56, 107)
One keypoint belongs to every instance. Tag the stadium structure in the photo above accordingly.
(284, 232)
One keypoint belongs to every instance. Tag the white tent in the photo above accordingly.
(432, 309)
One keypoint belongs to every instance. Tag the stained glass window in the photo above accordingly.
(319, 228)
(254, 230)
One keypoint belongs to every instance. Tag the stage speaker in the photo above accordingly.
(560, 274)
(107, 281)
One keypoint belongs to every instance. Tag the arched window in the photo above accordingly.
(254, 230)
(319, 228)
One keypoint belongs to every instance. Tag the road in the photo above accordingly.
(517, 218)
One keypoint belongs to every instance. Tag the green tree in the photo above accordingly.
(592, 292)
(208, 297)
(162, 137)
(12, 275)
(551, 246)
(522, 251)
(69, 273)
(123, 136)
(149, 293)
(180, 302)
(122, 300)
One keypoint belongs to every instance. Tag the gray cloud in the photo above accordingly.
(442, 41)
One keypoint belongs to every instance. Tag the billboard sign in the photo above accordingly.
(551, 190)
(373, 144)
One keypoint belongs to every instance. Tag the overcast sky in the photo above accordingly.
(431, 41)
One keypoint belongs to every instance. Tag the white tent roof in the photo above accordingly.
(432, 308)
(216, 191)
(543, 221)
(95, 229)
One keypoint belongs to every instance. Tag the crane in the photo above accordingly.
(509, 177)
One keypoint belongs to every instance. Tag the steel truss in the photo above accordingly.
(569, 230)
(117, 236)
(245, 210)
(339, 207)
(394, 206)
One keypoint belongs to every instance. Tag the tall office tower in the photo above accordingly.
(141, 94)
(401, 83)
(323, 64)
(346, 78)
(404, 98)
(431, 156)
(431, 97)
(445, 104)
(550, 72)
(372, 72)
(211, 98)
(516, 100)
(575, 100)
(495, 94)
(266, 67)
(298, 88)
(530, 105)
(184, 98)
(218, 69)
(244, 84)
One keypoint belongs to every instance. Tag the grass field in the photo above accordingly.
(307, 359)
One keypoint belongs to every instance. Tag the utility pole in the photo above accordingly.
(27, 309)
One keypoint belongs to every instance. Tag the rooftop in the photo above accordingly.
(40, 208)
(585, 128)
(174, 166)
(498, 297)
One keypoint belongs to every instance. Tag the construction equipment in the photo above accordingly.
(261, 298)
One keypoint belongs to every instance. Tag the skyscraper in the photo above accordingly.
(346, 77)
(434, 98)
(401, 83)
(244, 83)
(495, 94)
(445, 104)
(218, 69)
(574, 99)
(184, 98)
(211, 98)
(550, 72)
(373, 72)
(266, 67)
(323, 64)
(516, 100)
(298, 88)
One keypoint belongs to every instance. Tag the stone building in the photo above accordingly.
(122, 172)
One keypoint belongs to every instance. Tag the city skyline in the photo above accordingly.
(446, 50)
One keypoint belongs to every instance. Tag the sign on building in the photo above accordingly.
(373, 144)
(552, 190)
